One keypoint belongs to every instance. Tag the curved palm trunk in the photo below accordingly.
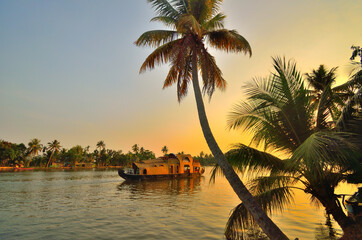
(50, 158)
(266, 224)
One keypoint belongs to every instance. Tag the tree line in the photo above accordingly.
(54, 155)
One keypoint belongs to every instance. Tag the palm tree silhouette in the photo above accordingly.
(54, 147)
(193, 23)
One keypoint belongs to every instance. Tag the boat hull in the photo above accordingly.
(127, 176)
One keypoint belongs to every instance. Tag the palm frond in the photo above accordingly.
(242, 157)
(229, 41)
(210, 72)
(164, 8)
(182, 6)
(350, 110)
(160, 55)
(215, 23)
(240, 219)
(181, 62)
(203, 10)
(215, 171)
(172, 77)
(156, 38)
(278, 111)
(264, 184)
(322, 151)
(168, 21)
(323, 110)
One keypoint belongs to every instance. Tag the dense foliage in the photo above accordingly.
(317, 128)
(54, 155)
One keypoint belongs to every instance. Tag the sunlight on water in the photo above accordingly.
(100, 205)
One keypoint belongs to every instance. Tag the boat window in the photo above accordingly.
(161, 165)
(144, 171)
(186, 169)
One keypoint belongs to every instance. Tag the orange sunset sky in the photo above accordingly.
(69, 69)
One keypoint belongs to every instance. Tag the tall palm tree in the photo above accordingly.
(192, 23)
(34, 147)
(164, 150)
(279, 114)
(54, 147)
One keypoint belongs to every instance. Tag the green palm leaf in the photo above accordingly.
(229, 41)
(156, 38)
(164, 8)
(240, 219)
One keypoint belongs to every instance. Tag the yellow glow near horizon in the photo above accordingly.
(69, 71)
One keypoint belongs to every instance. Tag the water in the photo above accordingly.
(96, 204)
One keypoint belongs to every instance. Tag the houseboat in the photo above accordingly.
(169, 166)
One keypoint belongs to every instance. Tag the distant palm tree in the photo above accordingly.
(34, 147)
(328, 99)
(135, 149)
(279, 114)
(54, 147)
(164, 150)
(101, 145)
(192, 23)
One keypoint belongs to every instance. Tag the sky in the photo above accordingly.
(69, 70)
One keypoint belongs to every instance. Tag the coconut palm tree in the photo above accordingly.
(194, 23)
(135, 149)
(321, 81)
(101, 145)
(53, 147)
(279, 113)
(164, 150)
(34, 147)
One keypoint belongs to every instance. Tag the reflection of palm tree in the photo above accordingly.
(54, 147)
(164, 150)
(193, 22)
(279, 113)
(34, 147)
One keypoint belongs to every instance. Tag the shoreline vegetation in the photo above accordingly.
(52, 156)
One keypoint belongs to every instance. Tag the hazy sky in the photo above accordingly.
(69, 69)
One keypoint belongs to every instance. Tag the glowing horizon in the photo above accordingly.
(69, 70)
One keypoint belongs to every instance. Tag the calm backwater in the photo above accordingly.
(98, 204)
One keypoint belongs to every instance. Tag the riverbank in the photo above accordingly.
(13, 169)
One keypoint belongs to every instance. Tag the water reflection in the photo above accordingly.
(100, 205)
(326, 231)
(163, 187)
